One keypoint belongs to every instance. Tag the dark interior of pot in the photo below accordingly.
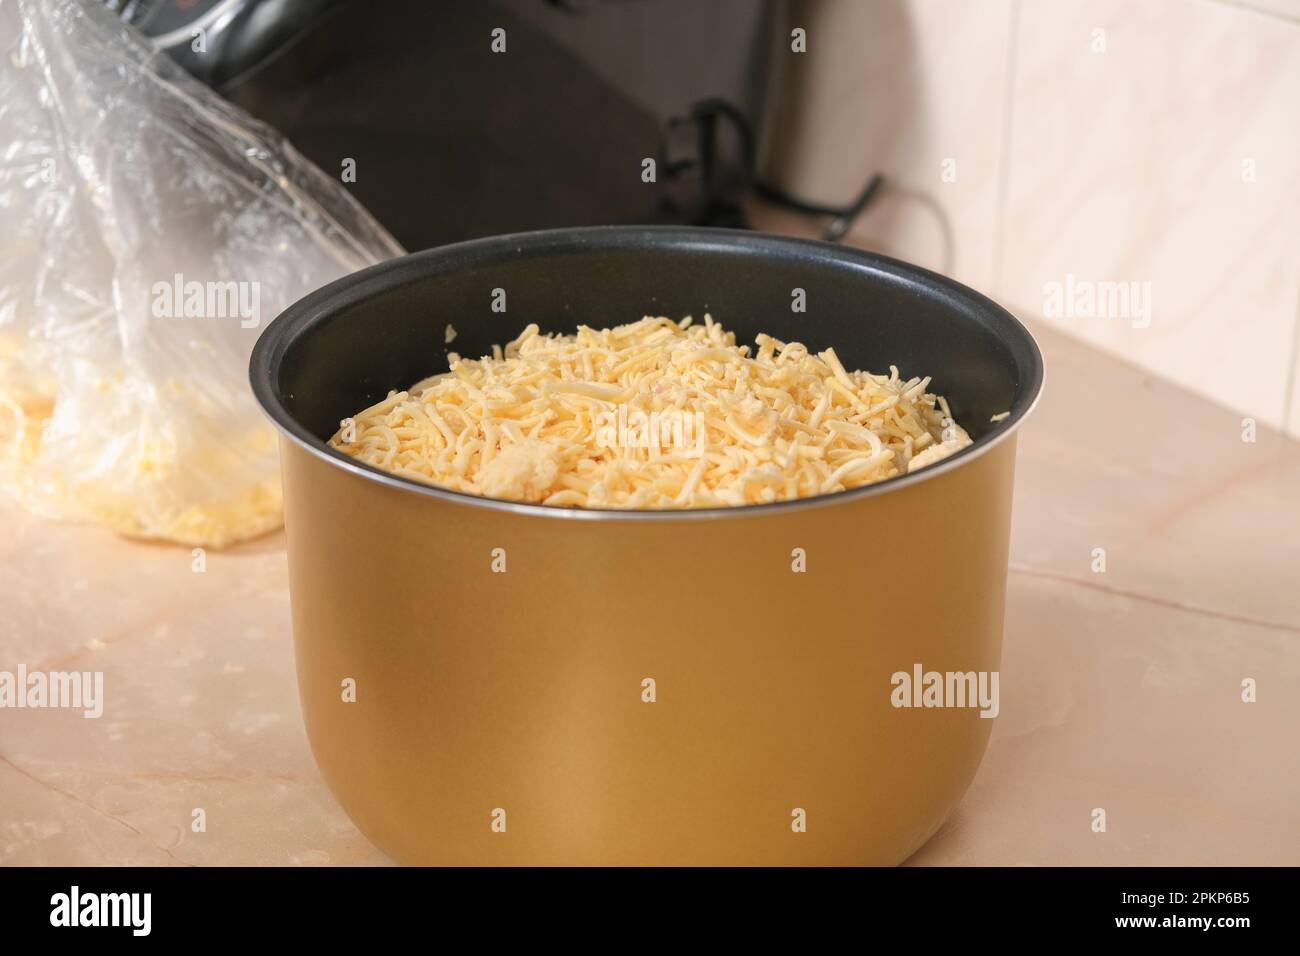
(344, 347)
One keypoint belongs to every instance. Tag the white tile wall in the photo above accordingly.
(900, 87)
(1134, 164)
(1171, 157)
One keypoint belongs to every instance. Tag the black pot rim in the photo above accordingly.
(299, 318)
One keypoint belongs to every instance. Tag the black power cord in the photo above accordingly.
(723, 187)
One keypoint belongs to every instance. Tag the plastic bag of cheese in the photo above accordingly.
(148, 230)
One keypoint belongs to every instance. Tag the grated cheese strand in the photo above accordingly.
(653, 414)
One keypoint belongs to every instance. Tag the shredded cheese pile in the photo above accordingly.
(653, 414)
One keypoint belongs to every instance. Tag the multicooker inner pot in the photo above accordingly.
(473, 672)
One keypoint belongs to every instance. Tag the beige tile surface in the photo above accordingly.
(1161, 479)
(1132, 706)
(201, 708)
(1119, 690)
(1132, 164)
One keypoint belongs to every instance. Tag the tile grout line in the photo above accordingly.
(1046, 575)
(90, 805)
(1004, 158)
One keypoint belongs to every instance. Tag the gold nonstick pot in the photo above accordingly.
(490, 682)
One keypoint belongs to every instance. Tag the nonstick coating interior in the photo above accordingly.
(345, 346)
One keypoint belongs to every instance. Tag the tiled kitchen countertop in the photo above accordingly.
(1120, 690)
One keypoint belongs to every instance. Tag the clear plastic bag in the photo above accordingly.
(148, 231)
